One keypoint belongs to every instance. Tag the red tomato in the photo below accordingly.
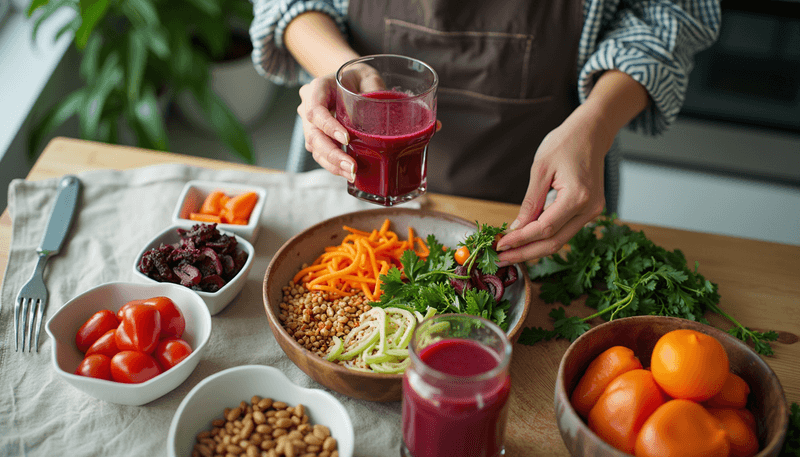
(139, 330)
(172, 322)
(133, 367)
(121, 311)
(94, 328)
(95, 366)
(105, 345)
(171, 352)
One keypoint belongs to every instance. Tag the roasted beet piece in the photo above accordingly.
(204, 259)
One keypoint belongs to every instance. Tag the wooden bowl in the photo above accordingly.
(767, 401)
(306, 246)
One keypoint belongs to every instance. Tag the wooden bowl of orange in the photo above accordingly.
(664, 407)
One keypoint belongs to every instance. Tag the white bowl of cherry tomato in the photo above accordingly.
(129, 343)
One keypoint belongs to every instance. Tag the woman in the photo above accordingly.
(531, 93)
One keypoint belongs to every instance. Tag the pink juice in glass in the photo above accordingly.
(389, 145)
(453, 418)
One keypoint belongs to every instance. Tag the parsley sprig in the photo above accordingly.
(425, 283)
(791, 446)
(626, 274)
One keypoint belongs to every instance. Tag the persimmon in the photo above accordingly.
(682, 428)
(601, 371)
(741, 435)
(733, 394)
(689, 365)
(628, 400)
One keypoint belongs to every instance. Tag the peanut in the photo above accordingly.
(245, 430)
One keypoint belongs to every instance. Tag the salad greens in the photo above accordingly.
(426, 283)
(626, 274)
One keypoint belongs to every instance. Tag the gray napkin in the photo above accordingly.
(118, 213)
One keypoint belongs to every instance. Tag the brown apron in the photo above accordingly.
(507, 77)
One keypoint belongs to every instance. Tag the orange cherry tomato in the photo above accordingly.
(106, 345)
(462, 254)
(689, 364)
(741, 436)
(623, 407)
(601, 371)
(733, 394)
(133, 367)
(95, 366)
(94, 327)
(682, 428)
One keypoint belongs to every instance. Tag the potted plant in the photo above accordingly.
(135, 52)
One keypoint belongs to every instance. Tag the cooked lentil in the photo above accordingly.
(313, 318)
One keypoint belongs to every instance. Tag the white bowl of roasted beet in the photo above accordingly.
(129, 363)
(212, 262)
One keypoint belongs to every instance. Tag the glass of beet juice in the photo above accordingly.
(455, 391)
(387, 103)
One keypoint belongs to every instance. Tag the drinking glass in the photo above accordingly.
(387, 103)
(455, 390)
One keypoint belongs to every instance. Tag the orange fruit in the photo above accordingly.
(682, 428)
(689, 365)
(741, 436)
(733, 394)
(601, 371)
(625, 404)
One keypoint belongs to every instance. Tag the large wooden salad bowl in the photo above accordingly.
(309, 244)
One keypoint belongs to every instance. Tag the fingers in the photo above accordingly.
(543, 247)
(324, 135)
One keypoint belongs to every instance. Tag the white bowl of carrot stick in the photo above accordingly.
(303, 321)
(235, 208)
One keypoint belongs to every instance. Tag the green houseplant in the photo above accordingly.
(134, 52)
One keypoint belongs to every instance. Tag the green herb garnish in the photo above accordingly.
(626, 274)
(792, 444)
(427, 281)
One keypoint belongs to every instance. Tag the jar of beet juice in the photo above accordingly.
(387, 103)
(455, 391)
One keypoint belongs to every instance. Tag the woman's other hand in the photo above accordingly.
(570, 160)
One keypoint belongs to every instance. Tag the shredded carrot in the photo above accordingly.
(358, 262)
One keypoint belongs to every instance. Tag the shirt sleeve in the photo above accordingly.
(270, 56)
(652, 41)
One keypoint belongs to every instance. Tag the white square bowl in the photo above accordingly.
(64, 324)
(215, 301)
(228, 388)
(194, 194)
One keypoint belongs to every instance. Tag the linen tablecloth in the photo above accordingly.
(118, 213)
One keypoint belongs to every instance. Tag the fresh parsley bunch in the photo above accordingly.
(626, 274)
(425, 283)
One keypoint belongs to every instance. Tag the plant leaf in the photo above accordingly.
(210, 7)
(92, 11)
(36, 4)
(90, 62)
(137, 59)
(149, 117)
(141, 12)
(226, 125)
(111, 75)
(65, 109)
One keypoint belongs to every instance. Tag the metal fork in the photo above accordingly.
(32, 298)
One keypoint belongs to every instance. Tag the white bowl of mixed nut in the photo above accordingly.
(257, 410)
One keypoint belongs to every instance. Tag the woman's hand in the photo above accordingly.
(324, 135)
(569, 160)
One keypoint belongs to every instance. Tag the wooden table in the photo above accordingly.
(759, 283)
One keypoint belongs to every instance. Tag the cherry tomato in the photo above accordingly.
(106, 344)
(97, 325)
(95, 366)
(139, 330)
(172, 322)
(133, 367)
(171, 352)
(121, 311)
(462, 254)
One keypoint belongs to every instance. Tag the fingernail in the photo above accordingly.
(348, 168)
(340, 136)
(514, 225)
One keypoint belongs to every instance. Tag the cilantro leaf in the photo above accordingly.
(623, 274)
